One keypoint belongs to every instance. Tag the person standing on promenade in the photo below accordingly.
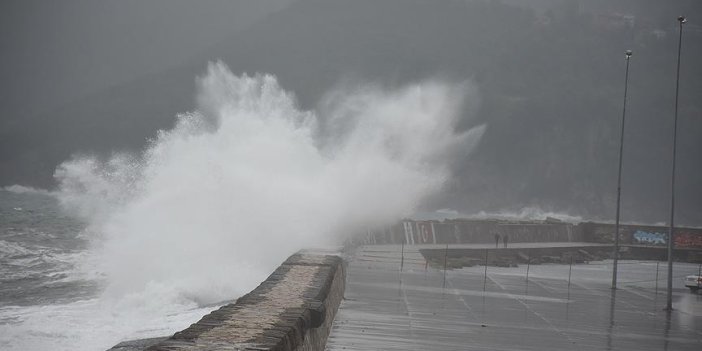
(497, 240)
(505, 239)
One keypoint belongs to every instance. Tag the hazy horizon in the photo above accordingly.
(98, 78)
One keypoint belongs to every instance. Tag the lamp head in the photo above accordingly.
(682, 19)
(628, 54)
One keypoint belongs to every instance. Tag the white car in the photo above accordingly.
(694, 282)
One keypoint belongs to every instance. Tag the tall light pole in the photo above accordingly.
(619, 177)
(669, 301)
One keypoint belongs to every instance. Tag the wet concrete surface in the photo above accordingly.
(419, 309)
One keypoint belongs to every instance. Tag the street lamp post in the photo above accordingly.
(669, 301)
(619, 177)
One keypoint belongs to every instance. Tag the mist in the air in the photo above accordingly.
(211, 206)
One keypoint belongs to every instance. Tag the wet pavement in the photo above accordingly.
(466, 309)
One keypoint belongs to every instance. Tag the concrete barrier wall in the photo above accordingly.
(649, 240)
(291, 310)
(643, 235)
(470, 231)
(474, 232)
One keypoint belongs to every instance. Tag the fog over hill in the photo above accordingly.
(548, 78)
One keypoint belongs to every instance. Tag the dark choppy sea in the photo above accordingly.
(39, 248)
(50, 293)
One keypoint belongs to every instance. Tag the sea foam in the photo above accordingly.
(213, 205)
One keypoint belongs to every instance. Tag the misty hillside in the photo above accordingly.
(550, 78)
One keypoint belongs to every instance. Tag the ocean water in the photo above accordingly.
(51, 298)
(141, 245)
(39, 247)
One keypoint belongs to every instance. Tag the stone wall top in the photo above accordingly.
(277, 315)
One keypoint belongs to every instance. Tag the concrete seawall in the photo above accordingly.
(293, 309)
(687, 241)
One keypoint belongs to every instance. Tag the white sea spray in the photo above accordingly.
(213, 205)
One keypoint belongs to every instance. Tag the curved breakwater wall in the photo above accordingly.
(293, 309)
(469, 231)
(482, 231)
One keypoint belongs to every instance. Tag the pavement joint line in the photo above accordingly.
(596, 292)
(496, 283)
(541, 285)
(467, 292)
(553, 326)
(463, 301)
(635, 292)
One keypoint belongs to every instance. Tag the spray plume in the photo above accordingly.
(213, 205)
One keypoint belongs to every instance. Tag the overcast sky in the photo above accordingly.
(549, 75)
(57, 51)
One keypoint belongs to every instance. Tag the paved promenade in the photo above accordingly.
(419, 309)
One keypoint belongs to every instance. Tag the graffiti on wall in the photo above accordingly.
(409, 232)
(425, 231)
(417, 232)
(649, 238)
(413, 232)
(688, 240)
(682, 239)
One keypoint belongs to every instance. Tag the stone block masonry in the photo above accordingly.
(291, 310)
